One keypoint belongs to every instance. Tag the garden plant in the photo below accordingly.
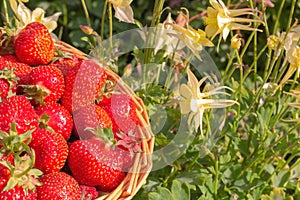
(218, 81)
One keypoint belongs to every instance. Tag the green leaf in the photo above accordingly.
(161, 194)
(282, 178)
(180, 191)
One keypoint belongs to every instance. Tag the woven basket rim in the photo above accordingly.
(138, 173)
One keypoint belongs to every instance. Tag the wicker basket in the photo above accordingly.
(138, 173)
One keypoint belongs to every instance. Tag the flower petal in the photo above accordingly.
(37, 15)
(185, 107)
(23, 14)
(124, 14)
(193, 83)
(185, 91)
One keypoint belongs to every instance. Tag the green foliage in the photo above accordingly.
(257, 152)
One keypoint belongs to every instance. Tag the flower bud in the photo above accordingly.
(236, 42)
(273, 42)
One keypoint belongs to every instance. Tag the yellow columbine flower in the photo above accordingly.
(163, 39)
(194, 102)
(292, 53)
(294, 60)
(236, 42)
(26, 16)
(221, 20)
(192, 38)
(123, 11)
(170, 35)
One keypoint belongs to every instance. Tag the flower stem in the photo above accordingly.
(257, 95)
(216, 183)
(6, 11)
(229, 63)
(291, 15)
(110, 24)
(278, 16)
(103, 18)
(158, 7)
(86, 12)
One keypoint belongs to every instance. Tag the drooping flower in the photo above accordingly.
(163, 39)
(221, 20)
(292, 53)
(26, 16)
(194, 39)
(194, 102)
(174, 37)
(123, 11)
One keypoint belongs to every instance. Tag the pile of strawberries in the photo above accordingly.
(66, 130)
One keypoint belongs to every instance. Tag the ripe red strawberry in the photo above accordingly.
(83, 85)
(92, 163)
(8, 86)
(59, 185)
(19, 110)
(7, 58)
(91, 116)
(51, 150)
(60, 121)
(24, 180)
(20, 70)
(88, 192)
(4, 171)
(34, 45)
(17, 193)
(45, 84)
(65, 64)
(122, 111)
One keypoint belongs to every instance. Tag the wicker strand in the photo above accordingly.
(138, 173)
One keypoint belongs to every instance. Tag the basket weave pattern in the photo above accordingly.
(138, 173)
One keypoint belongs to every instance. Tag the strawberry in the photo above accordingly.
(88, 192)
(19, 110)
(4, 171)
(34, 45)
(83, 85)
(65, 64)
(20, 70)
(8, 83)
(122, 111)
(91, 116)
(60, 120)
(45, 84)
(20, 181)
(7, 58)
(58, 186)
(51, 150)
(17, 193)
(92, 163)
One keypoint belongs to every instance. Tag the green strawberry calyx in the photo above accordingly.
(22, 172)
(13, 142)
(36, 93)
(104, 134)
(43, 122)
